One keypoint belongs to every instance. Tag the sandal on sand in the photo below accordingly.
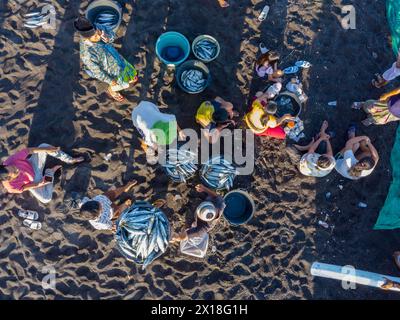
(116, 96)
(263, 48)
(34, 225)
(28, 214)
(396, 257)
(223, 3)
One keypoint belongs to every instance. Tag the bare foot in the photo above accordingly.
(78, 160)
(223, 3)
(130, 186)
(115, 95)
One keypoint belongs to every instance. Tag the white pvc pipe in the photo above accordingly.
(350, 274)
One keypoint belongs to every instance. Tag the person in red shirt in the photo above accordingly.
(23, 171)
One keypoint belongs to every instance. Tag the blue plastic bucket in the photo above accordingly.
(239, 208)
(172, 48)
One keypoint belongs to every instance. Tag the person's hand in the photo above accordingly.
(199, 188)
(114, 83)
(104, 37)
(288, 117)
(181, 135)
(43, 182)
(325, 136)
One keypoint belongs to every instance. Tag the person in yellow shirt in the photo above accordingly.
(262, 120)
(214, 116)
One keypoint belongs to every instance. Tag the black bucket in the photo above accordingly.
(239, 208)
(293, 108)
(193, 65)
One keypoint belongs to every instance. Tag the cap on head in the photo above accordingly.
(84, 27)
(206, 211)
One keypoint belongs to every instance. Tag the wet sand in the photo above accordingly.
(46, 97)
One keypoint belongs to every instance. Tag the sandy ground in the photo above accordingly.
(45, 97)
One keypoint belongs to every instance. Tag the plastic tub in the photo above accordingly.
(98, 6)
(296, 108)
(209, 38)
(239, 208)
(197, 65)
(173, 41)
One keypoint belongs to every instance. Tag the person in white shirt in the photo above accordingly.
(103, 210)
(392, 73)
(358, 158)
(318, 161)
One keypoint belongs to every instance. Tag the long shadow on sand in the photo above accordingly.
(351, 240)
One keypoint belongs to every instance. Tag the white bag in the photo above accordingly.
(196, 246)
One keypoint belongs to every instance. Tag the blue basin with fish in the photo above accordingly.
(111, 9)
(197, 66)
(239, 208)
(172, 48)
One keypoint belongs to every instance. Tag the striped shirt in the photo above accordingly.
(103, 221)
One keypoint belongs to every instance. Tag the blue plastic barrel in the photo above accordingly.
(172, 48)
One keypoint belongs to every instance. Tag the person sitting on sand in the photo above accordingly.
(318, 161)
(358, 158)
(23, 171)
(223, 3)
(102, 60)
(267, 66)
(207, 215)
(155, 127)
(261, 118)
(392, 73)
(214, 116)
(382, 111)
(102, 211)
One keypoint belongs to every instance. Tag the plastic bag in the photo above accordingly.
(196, 246)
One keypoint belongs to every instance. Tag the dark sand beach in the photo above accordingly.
(46, 97)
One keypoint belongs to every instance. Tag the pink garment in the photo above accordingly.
(26, 172)
(262, 71)
(392, 73)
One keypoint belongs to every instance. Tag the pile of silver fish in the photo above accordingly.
(205, 49)
(142, 234)
(193, 80)
(180, 164)
(218, 174)
(107, 18)
(35, 20)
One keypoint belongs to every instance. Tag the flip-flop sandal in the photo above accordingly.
(28, 214)
(303, 64)
(379, 81)
(263, 48)
(34, 225)
(120, 99)
(291, 70)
